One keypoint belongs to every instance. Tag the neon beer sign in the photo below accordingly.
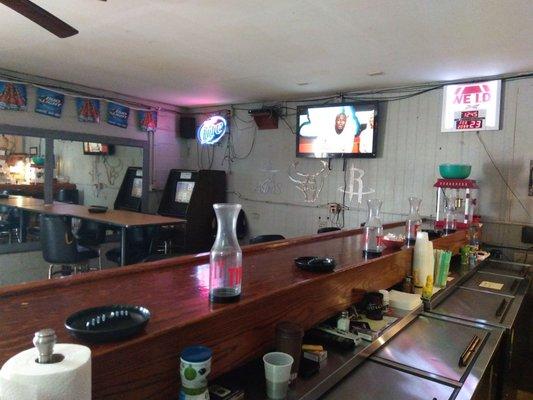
(212, 130)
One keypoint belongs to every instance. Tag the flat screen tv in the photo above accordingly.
(98, 149)
(337, 130)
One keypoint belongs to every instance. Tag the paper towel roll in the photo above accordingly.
(22, 378)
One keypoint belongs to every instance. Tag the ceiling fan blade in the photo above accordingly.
(41, 17)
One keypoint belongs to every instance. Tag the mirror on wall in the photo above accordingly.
(84, 173)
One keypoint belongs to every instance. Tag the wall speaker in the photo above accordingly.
(265, 118)
(187, 127)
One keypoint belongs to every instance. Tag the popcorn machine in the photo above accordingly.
(457, 199)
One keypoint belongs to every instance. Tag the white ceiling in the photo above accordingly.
(200, 52)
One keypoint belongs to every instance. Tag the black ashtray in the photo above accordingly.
(316, 264)
(107, 323)
(4, 196)
(97, 209)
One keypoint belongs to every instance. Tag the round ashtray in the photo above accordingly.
(316, 264)
(97, 209)
(107, 323)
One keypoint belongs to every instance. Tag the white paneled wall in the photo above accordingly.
(411, 147)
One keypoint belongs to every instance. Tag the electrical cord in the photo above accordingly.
(501, 175)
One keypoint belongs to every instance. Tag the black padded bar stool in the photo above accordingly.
(266, 238)
(328, 229)
(92, 234)
(60, 246)
(71, 196)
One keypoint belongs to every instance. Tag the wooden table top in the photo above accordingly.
(120, 218)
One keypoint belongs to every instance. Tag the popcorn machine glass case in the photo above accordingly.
(462, 194)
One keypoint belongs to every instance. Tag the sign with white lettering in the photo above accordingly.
(471, 107)
(212, 130)
(49, 102)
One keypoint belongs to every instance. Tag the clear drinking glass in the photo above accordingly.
(412, 225)
(449, 219)
(373, 239)
(225, 261)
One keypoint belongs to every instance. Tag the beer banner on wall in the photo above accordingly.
(88, 110)
(117, 115)
(49, 102)
(13, 96)
(147, 121)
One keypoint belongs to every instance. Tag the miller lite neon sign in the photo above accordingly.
(212, 130)
(471, 107)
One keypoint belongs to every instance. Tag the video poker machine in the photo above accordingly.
(129, 196)
(190, 195)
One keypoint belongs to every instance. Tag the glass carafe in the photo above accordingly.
(412, 225)
(225, 261)
(373, 238)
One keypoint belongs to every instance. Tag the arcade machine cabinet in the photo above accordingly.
(130, 192)
(190, 195)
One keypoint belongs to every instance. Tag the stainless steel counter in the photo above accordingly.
(418, 356)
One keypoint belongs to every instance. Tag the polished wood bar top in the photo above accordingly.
(176, 292)
(120, 218)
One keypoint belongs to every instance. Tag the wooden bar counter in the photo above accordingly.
(176, 293)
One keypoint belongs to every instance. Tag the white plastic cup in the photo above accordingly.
(277, 374)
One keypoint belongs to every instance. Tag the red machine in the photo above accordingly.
(461, 194)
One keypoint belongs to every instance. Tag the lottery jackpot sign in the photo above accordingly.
(471, 107)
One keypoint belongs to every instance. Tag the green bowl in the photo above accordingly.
(455, 171)
(38, 160)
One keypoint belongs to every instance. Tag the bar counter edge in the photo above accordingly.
(147, 366)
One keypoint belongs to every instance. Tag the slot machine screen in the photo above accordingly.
(183, 192)
(137, 188)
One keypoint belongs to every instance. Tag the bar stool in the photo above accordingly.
(8, 221)
(71, 196)
(266, 238)
(60, 246)
(92, 234)
(328, 229)
(138, 246)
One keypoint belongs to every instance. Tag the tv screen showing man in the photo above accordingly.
(330, 131)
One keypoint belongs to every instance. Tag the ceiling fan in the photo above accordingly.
(41, 17)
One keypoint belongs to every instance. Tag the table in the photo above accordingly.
(120, 218)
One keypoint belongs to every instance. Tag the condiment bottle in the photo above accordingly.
(408, 284)
(343, 323)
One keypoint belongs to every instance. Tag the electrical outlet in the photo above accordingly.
(334, 208)
(322, 223)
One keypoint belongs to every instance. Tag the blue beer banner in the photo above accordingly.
(117, 115)
(13, 96)
(49, 102)
(88, 110)
(147, 121)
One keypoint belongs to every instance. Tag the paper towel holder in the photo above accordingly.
(44, 341)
